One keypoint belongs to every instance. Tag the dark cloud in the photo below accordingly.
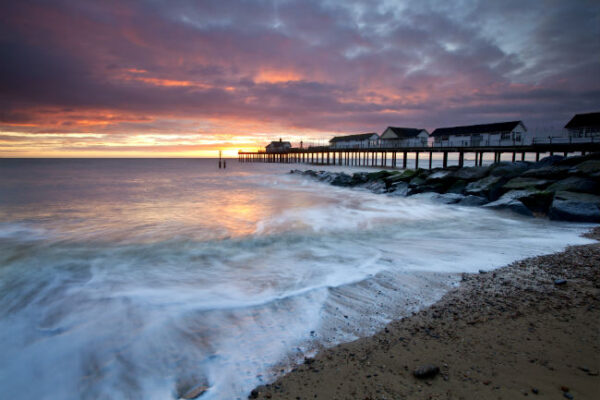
(329, 66)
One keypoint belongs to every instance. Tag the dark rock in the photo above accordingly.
(416, 181)
(548, 161)
(568, 395)
(575, 184)
(554, 172)
(448, 198)
(525, 183)
(489, 187)
(440, 176)
(405, 176)
(535, 391)
(471, 173)
(572, 206)
(376, 176)
(253, 394)
(195, 392)
(574, 160)
(426, 371)
(559, 282)
(457, 187)
(588, 167)
(512, 204)
(471, 200)
(359, 178)
(509, 170)
(399, 189)
(376, 186)
(342, 179)
(537, 201)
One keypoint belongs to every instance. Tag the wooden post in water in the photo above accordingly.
(404, 160)
(445, 161)
(219, 159)
(416, 159)
(430, 158)
(461, 159)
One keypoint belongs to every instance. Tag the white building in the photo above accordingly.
(497, 134)
(360, 141)
(404, 137)
(278, 146)
(584, 126)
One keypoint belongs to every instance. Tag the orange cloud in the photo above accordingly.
(277, 76)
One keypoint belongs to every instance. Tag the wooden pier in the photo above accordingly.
(396, 157)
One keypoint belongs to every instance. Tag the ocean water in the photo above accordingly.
(131, 279)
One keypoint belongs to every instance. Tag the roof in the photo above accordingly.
(583, 120)
(497, 127)
(351, 138)
(277, 143)
(405, 132)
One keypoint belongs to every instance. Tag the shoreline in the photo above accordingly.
(518, 330)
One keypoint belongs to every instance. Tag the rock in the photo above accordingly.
(342, 179)
(535, 391)
(439, 176)
(376, 176)
(471, 173)
(509, 203)
(376, 186)
(509, 170)
(253, 394)
(359, 178)
(405, 176)
(572, 206)
(195, 392)
(449, 198)
(587, 167)
(489, 187)
(548, 161)
(535, 200)
(553, 172)
(564, 388)
(398, 189)
(471, 200)
(525, 183)
(576, 184)
(457, 187)
(416, 181)
(426, 371)
(559, 282)
(568, 395)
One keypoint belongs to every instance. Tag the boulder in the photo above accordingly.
(457, 187)
(359, 178)
(342, 179)
(572, 161)
(376, 176)
(376, 186)
(573, 206)
(471, 200)
(509, 170)
(552, 172)
(471, 173)
(589, 167)
(489, 187)
(548, 161)
(510, 203)
(416, 181)
(398, 189)
(404, 176)
(576, 184)
(525, 183)
(448, 198)
(439, 176)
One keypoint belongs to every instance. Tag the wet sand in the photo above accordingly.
(514, 332)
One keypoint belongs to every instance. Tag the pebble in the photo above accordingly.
(426, 371)
(568, 395)
(534, 391)
(559, 282)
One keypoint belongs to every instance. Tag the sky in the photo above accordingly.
(188, 78)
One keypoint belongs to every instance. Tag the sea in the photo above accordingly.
(152, 278)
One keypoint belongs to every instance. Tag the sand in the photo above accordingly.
(505, 334)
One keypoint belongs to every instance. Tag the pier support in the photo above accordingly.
(445, 161)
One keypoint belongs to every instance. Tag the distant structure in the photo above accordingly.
(584, 125)
(496, 134)
(278, 146)
(360, 141)
(404, 137)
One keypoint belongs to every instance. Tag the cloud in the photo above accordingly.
(220, 67)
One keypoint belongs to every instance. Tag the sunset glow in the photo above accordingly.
(181, 79)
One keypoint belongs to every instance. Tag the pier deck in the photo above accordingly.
(379, 156)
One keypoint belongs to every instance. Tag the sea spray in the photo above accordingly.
(144, 278)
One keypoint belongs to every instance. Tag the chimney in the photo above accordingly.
(279, 140)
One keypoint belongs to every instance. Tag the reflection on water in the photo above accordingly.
(145, 278)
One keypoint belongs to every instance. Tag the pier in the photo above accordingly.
(397, 157)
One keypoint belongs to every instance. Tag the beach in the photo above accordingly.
(528, 329)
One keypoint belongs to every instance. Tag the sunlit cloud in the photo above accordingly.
(187, 78)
